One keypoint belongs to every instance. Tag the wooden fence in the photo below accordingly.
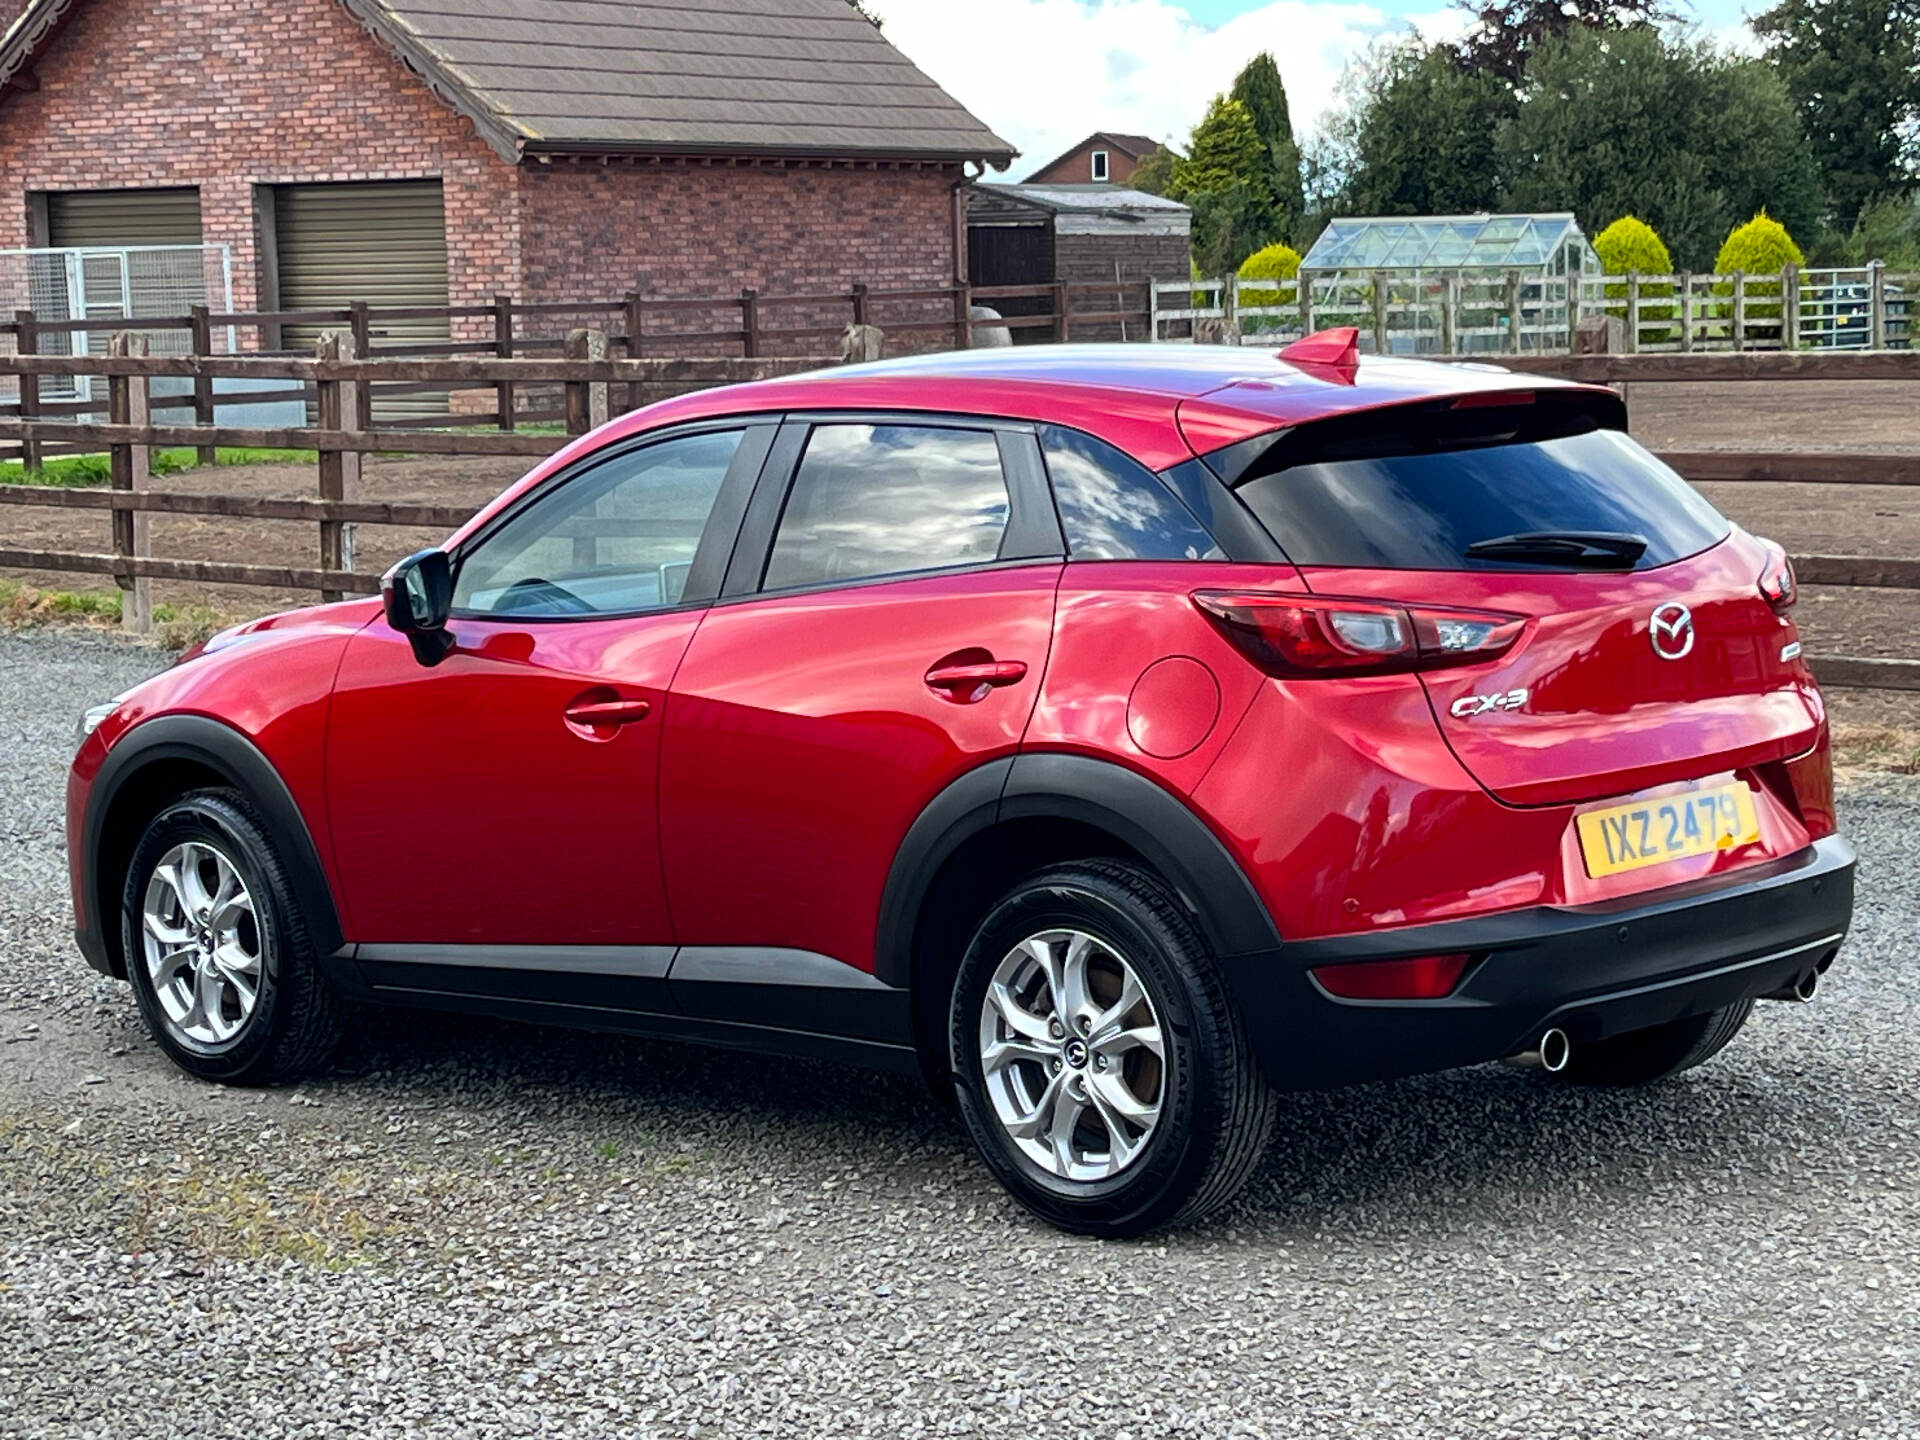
(1517, 312)
(591, 380)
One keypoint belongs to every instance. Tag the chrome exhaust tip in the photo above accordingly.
(1799, 990)
(1555, 1050)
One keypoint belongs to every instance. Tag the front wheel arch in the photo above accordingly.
(154, 764)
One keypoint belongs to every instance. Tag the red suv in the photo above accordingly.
(1116, 736)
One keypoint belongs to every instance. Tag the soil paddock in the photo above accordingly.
(1748, 416)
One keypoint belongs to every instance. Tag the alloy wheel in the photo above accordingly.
(1072, 1054)
(201, 937)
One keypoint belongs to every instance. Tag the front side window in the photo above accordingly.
(1113, 508)
(876, 500)
(616, 539)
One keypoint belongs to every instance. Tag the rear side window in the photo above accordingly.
(874, 500)
(1113, 508)
(1424, 511)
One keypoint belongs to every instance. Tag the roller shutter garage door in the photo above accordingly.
(123, 218)
(385, 243)
(145, 281)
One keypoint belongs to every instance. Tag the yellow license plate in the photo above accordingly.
(1652, 832)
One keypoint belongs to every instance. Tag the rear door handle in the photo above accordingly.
(966, 684)
(592, 714)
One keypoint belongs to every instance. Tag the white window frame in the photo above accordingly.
(1101, 169)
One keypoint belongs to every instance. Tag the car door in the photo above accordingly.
(497, 812)
(884, 628)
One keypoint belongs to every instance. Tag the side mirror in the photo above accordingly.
(418, 595)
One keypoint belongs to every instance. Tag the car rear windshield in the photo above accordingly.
(1513, 502)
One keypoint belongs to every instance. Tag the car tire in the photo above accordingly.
(1211, 1110)
(1643, 1057)
(217, 949)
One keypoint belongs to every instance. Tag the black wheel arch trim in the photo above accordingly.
(227, 752)
(1135, 810)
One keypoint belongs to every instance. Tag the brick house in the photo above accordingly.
(1105, 157)
(406, 153)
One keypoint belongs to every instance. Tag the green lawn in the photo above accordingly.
(81, 471)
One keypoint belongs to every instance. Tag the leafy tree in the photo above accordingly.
(1222, 177)
(1507, 33)
(1853, 69)
(1687, 136)
(1154, 174)
(1260, 88)
(1414, 136)
(1888, 229)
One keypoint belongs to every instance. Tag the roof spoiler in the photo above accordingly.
(1329, 354)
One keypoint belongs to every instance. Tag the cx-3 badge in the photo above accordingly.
(1671, 631)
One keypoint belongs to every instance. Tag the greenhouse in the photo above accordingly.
(1450, 283)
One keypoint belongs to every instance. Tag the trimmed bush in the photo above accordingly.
(1760, 248)
(1275, 262)
(1628, 245)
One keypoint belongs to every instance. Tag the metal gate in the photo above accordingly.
(105, 283)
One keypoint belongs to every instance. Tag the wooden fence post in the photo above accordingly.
(586, 400)
(28, 329)
(1062, 326)
(1306, 304)
(1877, 305)
(503, 348)
(362, 324)
(1633, 312)
(962, 313)
(203, 411)
(1686, 312)
(1738, 331)
(1790, 307)
(1573, 307)
(129, 402)
(750, 323)
(1449, 320)
(636, 344)
(1381, 297)
(337, 408)
(1513, 312)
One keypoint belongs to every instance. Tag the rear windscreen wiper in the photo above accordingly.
(1588, 549)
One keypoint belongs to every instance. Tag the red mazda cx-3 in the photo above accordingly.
(1118, 736)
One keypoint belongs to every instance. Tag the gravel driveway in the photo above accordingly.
(474, 1229)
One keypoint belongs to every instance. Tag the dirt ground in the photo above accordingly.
(1785, 416)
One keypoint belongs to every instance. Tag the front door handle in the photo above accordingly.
(602, 717)
(969, 683)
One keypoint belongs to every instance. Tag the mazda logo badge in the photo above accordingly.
(1671, 631)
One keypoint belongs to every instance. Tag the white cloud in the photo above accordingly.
(1045, 73)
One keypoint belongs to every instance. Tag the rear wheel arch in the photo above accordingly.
(1003, 821)
(154, 764)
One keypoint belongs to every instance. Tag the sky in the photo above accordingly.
(1046, 73)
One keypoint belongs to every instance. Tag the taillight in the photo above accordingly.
(1305, 635)
(1421, 977)
(1777, 585)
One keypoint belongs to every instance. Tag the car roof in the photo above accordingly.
(1160, 403)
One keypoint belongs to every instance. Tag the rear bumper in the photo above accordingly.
(1593, 971)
